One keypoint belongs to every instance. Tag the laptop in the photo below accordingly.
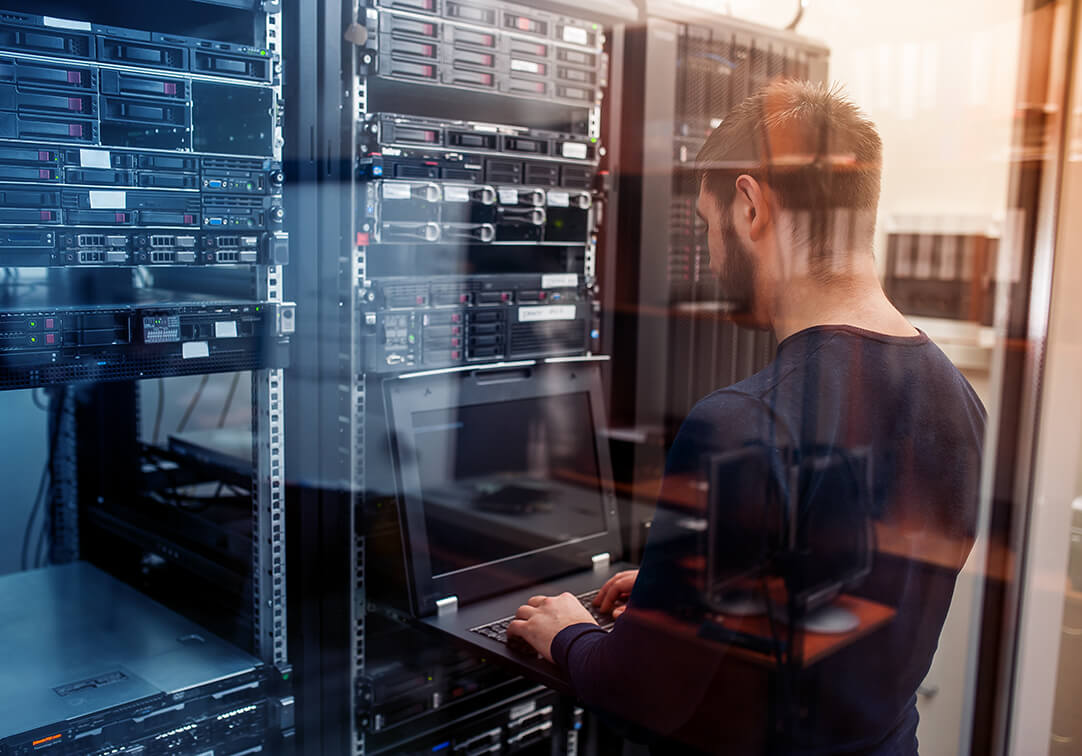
(505, 492)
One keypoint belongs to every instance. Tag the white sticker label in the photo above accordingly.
(559, 280)
(509, 196)
(575, 150)
(66, 23)
(546, 312)
(396, 191)
(190, 349)
(456, 194)
(525, 66)
(103, 200)
(225, 329)
(559, 199)
(95, 159)
(576, 35)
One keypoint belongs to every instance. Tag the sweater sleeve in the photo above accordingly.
(650, 669)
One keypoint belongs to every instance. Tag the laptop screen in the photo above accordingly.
(508, 478)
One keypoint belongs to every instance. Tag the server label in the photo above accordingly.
(546, 312)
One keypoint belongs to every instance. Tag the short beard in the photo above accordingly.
(736, 282)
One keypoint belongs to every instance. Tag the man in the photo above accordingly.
(789, 192)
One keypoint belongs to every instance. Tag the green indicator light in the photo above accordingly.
(412, 338)
(594, 27)
(262, 52)
(249, 184)
(33, 323)
(285, 676)
(257, 309)
(593, 140)
(33, 339)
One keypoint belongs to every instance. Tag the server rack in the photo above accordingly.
(667, 325)
(111, 123)
(420, 211)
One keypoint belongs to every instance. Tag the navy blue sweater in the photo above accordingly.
(902, 403)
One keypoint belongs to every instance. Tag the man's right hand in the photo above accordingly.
(614, 593)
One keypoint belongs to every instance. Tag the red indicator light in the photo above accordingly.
(428, 51)
(75, 77)
(50, 324)
(50, 338)
(362, 239)
(486, 78)
(42, 155)
(524, 23)
(454, 342)
(486, 60)
(189, 219)
(75, 103)
(45, 173)
(429, 30)
(456, 355)
(456, 318)
(541, 50)
(463, 298)
(504, 296)
(427, 70)
(75, 129)
(46, 214)
(542, 295)
(430, 162)
(121, 217)
(420, 299)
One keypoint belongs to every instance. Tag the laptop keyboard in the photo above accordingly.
(497, 630)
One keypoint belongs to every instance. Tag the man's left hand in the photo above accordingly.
(541, 619)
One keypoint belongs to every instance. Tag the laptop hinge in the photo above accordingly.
(601, 561)
(447, 605)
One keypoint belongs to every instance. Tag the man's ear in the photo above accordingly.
(753, 211)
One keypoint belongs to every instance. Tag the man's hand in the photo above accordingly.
(614, 593)
(541, 619)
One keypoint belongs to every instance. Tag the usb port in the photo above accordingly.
(163, 241)
(90, 240)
